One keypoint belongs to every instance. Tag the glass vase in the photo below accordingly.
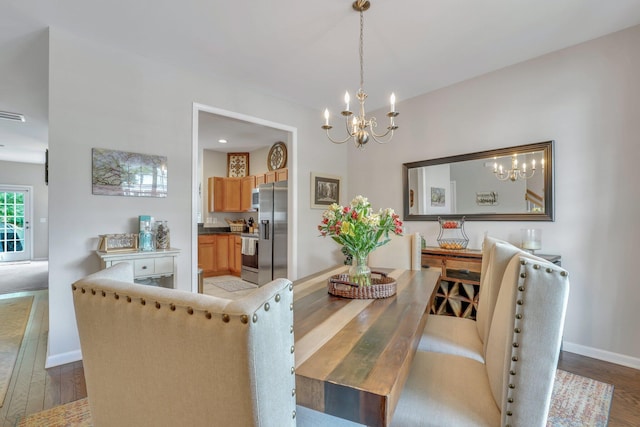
(359, 272)
(162, 235)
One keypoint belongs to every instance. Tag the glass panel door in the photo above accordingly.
(14, 224)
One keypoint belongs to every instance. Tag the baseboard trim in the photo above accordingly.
(62, 359)
(607, 356)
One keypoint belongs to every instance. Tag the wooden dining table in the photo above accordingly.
(353, 355)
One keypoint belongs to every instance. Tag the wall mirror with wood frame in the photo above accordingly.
(506, 184)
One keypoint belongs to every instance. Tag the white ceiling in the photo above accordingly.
(241, 136)
(307, 52)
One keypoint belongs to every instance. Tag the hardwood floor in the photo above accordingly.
(32, 388)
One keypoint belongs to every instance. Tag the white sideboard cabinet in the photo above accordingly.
(158, 268)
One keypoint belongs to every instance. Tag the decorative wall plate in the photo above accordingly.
(277, 158)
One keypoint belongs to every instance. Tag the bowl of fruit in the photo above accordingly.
(453, 243)
(450, 224)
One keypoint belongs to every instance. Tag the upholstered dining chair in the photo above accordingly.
(401, 252)
(163, 357)
(513, 387)
(467, 337)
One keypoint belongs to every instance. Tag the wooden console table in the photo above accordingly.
(459, 287)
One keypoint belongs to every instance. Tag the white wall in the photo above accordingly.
(23, 89)
(587, 99)
(32, 174)
(100, 97)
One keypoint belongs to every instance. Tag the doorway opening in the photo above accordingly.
(200, 113)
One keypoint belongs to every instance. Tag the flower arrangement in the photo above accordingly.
(359, 230)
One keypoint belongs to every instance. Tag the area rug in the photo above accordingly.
(230, 285)
(14, 314)
(73, 414)
(579, 401)
(576, 401)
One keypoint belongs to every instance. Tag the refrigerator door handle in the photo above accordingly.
(265, 228)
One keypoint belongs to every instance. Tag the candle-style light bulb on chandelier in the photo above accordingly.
(516, 172)
(358, 126)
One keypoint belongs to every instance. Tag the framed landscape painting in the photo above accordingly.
(121, 173)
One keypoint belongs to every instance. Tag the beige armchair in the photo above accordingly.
(467, 337)
(401, 252)
(162, 357)
(513, 387)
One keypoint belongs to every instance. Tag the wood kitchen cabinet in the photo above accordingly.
(247, 184)
(222, 253)
(235, 255)
(207, 255)
(229, 200)
(230, 194)
(219, 254)
(215, 189)
(270, 177)
(276, 175)
(282, 174)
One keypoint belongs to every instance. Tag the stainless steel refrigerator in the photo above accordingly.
(272, 224)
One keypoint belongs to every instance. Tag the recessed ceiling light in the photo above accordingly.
(222, 141)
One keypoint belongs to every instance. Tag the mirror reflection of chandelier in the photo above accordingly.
(358, 126)
(516, 172)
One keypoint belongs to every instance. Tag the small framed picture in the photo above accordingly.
(325, 190)
(237, 165)
(437, 196)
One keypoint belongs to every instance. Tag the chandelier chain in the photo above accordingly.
(358, 126)
(361, 50)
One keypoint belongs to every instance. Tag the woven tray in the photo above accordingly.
(382, 287)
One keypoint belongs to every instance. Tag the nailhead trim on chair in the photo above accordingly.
(226, 318)
(158, 305)
(519, 307)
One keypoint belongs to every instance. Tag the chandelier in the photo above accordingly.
(358, 126)
(516, 172)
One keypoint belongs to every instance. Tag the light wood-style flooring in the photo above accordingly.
(33, 388)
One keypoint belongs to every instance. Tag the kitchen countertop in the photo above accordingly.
(224, 230)
(216, 230)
